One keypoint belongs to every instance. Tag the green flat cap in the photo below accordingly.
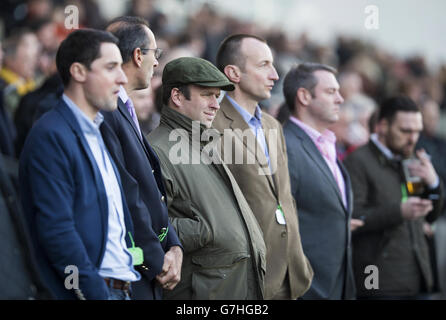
(191, 70)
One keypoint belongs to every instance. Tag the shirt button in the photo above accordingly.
(283, 234)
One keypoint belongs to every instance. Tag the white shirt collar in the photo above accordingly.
(386, 151)
(123, 94)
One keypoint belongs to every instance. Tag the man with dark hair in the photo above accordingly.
(392, 237)
(247, 61)
(224, 248)
(77, 216)
(229, 52)
(319, 182)
(138, 165)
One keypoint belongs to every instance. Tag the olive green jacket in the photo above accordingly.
(224, 251)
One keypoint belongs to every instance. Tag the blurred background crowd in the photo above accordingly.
(31, 30)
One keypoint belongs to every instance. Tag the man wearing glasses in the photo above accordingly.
(157, 248)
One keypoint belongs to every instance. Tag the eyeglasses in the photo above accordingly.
(158, 52)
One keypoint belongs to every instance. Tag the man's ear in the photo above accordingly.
(177, 97)
(303, 97)
(137, 57)
(233, 73)
(78, 72)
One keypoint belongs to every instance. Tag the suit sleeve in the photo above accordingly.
(50, 176)
(172, 238)
(193, 232)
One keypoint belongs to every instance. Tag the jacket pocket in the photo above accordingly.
(220, 277)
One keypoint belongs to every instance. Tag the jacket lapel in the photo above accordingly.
(348, 188)
(240, 129)
(123, 109)
(142, 140)
(316, 156)
(74, 125)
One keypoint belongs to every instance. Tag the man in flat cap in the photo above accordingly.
(224, 251)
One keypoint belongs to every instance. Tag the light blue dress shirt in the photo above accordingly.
(254, 122)
(117, 262)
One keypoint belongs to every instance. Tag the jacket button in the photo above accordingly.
(153, 171)
(283, 234)
(162, 198)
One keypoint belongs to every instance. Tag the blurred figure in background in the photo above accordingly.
(352, 131)
(7, 131)
(37, 102)
(144, 103)
(17, 77)
(45, 30)
(147, 9)
(436, 148)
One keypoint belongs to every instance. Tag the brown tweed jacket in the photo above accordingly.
(265, 192)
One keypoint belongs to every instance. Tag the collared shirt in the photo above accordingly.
(117, 262)
(125, 98)
(326, 144)
(386, 151)
(255, 123)
(389, 155)
(123, 94)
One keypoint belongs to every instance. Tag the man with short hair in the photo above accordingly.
(224, 254)
(138, 165)
(392, 237)
(262, 174)
(17, 76)
(319, 182)
(70, 189)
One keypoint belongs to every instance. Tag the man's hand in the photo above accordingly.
(171, 272)
(355, 224)
(415, 208)
(427, 229)
(424, 169)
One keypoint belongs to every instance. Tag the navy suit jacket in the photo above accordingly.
(324, 221)
(141, 177)
(65, 204)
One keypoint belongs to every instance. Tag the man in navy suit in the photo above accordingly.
(138, 165)
(71, 193)
(319, 183)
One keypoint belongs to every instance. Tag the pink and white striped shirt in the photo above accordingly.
(326, 144)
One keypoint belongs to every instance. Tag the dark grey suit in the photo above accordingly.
(323, 219)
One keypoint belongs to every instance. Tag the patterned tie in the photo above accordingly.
(131, 109)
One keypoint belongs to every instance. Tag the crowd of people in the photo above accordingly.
(302, 186)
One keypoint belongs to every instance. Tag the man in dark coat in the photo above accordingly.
(70, 189)
(319, 182)
(138, 164)
(390, 253)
